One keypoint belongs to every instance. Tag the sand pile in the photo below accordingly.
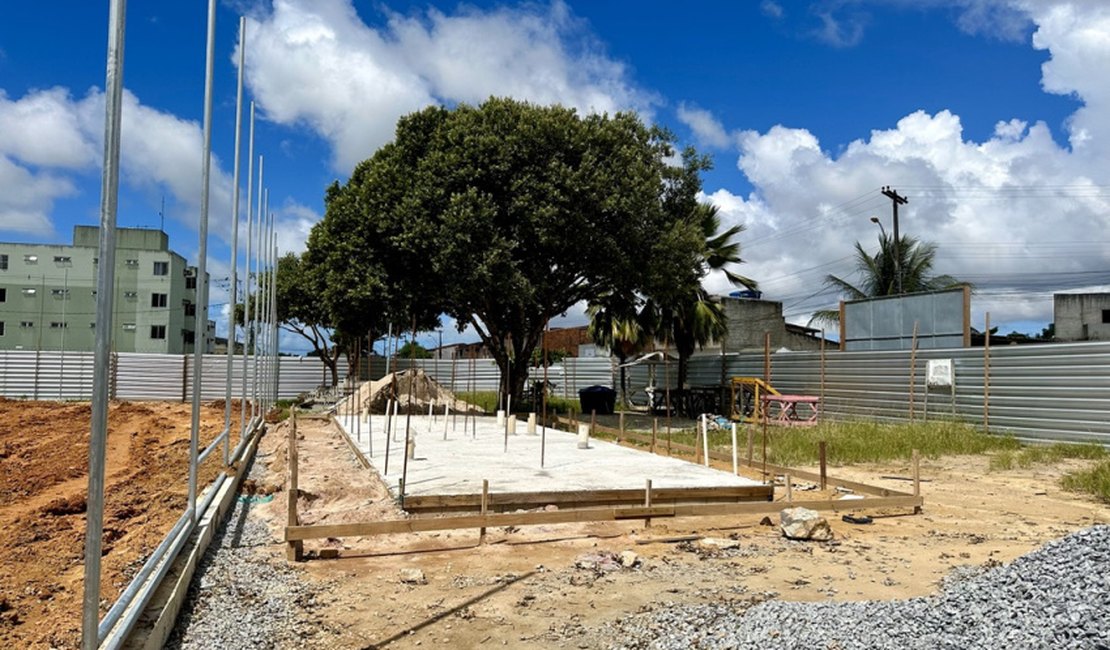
(424, 389)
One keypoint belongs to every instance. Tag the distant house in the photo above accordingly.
(461, 351)
(749, 320)
(1081, 316)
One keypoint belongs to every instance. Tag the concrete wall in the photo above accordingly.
(749, 319)
(1082, 316)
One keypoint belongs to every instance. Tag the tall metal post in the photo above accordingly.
(247, 276)
(200, 331)
(105, 280)
(257, 284)
(274, 329)
(234, 242)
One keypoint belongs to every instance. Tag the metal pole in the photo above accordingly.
(200, 333)
(274, 330)
(234, 244)
(258, 286)
(105, 280)
(247, 277)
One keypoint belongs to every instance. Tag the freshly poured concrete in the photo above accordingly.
(458, 464)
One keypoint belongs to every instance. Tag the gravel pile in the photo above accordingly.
(239, 598)
(1055, 597)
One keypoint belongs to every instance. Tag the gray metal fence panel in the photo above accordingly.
(140, 376)
(1037, 392)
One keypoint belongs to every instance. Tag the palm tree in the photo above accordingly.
(693, 319)
(618, 325)
(879, 273)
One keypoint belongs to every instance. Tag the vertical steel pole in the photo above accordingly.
(274, 330)
(257, 287)
(234, 242)
(247, 277)
(200, 332)
(105, 280)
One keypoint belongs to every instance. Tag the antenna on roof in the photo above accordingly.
(162, 215)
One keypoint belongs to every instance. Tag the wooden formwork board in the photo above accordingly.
(442, 503)
(394, 526)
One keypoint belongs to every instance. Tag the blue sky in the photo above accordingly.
(993, 116)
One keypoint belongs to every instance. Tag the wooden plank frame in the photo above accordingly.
(506, 501)
(881, 498)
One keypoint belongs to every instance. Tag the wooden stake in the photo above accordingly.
(913, 368)
(408, 412)
(751, 446)
(654, 432)
(916, 478)
(647, 502)
(485, 506)
(822, 357)
(789, 488)
(705, 438)
(822, 460)
(987, 375)
(295, 550)
(593, 421)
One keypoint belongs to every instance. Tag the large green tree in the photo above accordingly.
(507, 214)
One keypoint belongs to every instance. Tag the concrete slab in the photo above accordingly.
(455, 460)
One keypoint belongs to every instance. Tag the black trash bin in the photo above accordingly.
(597, 398)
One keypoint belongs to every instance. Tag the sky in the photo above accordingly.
(991, 116)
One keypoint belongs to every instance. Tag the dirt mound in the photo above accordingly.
(398, 386)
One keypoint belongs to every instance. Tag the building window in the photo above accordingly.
(158, 300)
(63, 259)
(30, 259)
(157, 331)
(3, 294)
(1, 328)
(187, 336)
(92, 326)
(190, 283)
(57, 325)
(190, 309)
(131, 295)
(1105, 316)
(26, 324)
(3, 262)
(129, 327)
(161, 268)
(132, 264)
(60, 293)
(29, 291)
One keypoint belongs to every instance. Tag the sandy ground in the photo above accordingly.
(543, 586)
(43, 482)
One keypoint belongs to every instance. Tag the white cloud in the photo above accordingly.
(318, 64)
(1018, 214)
(707, 130)
(48, 139)
(26, 199)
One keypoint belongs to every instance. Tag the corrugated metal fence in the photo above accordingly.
(1046, 392)
(1036, 392)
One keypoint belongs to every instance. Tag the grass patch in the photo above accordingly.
(868, 442)
(1047, 454)
(854, 441)
(1094, 480)
(487, 401)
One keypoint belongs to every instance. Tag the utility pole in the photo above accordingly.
(896, 200)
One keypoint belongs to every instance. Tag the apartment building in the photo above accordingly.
(48, 295)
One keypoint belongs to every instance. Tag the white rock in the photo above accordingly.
(413, 577)
(803, 523)
(629, 559)
(718, 542)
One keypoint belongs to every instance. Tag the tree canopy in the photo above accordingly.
(879, 273)
(504, 215)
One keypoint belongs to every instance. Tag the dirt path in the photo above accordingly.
(43, 480)
(560, 585)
